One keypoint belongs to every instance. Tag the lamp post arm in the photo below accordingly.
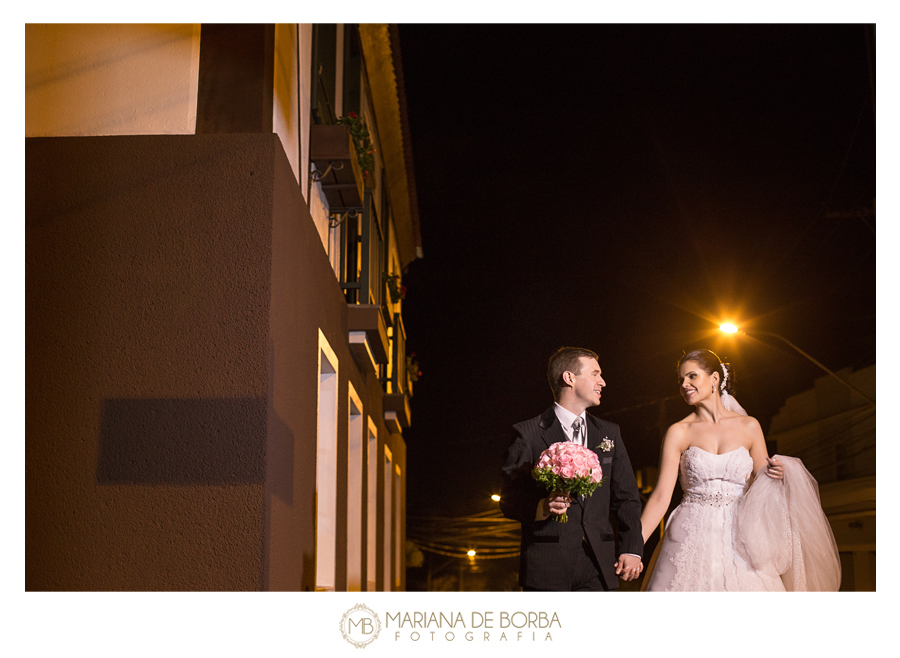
(840, 379)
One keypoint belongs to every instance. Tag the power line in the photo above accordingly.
(489, 533)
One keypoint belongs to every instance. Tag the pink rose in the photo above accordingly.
(596, 475)
(567, 471)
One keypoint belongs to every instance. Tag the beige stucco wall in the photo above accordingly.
(285, 109)
(111, 79)
(148, 265)
(174, 300)
(120, 79)
(305, 56)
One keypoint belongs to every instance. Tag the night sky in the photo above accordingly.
(626, 188)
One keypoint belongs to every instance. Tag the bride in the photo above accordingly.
(747, 522)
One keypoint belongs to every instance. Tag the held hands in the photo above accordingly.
(774, 469)
(629, 567)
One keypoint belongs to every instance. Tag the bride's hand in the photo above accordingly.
(774, 469)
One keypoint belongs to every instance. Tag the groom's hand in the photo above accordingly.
(629, 567)
(558, 502)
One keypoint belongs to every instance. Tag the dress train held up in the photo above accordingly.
(727, 535)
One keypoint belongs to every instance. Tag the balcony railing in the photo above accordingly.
(362, 253)
(398, 385)
(337, 167)
(398, 377)
(369, 341)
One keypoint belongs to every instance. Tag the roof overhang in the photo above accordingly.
(381, 54)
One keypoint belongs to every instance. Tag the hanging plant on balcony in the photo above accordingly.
(362, 141)
(396, 290)
(412, 367)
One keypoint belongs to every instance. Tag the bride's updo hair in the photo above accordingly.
(710, 363)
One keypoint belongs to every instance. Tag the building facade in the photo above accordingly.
(217, 380)
(832, 429)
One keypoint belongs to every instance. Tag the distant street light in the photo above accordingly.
(729, 328)
(471, 553)
(495, 498)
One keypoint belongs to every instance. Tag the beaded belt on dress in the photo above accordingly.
(716, 500)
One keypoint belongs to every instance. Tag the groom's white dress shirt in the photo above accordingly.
(567, 419)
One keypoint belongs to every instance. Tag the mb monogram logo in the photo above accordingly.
(360, 626)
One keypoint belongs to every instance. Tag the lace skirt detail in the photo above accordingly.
(698, 552)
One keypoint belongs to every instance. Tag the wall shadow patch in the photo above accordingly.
(182, 441)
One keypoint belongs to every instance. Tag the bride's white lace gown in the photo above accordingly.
(699, 549)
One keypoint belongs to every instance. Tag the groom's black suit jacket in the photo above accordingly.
(550, 548)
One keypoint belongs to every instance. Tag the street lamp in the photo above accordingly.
(729, 328)
(495, 498)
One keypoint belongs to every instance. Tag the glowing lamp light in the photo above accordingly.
(495, 498)
(471, 553)
(729, 328)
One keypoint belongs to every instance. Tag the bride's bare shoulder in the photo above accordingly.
(685, 423)
(747, 422)
(678, 433)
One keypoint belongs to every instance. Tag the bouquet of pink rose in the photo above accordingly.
(568, 467)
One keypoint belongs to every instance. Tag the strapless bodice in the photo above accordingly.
(703, 473)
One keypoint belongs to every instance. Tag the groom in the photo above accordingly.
(581, 553)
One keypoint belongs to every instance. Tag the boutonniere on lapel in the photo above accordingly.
(606, 445)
